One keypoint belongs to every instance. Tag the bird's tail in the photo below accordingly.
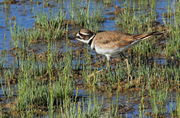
(147, 35)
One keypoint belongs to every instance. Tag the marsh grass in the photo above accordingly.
(173, 43)
(53, 87)
(138, 19)
(48, 85)
(41, 83)
(85, 16)
(46, 27)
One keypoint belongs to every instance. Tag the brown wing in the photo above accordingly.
(146, 35)
(111, 39)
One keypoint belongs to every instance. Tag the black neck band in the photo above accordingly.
(90, 42)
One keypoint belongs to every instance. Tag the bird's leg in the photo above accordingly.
(108, 62)
(107, 67)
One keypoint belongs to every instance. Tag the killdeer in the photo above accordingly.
(111, 43)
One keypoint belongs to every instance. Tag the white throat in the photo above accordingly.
(86, 41)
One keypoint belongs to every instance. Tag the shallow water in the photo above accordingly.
(128, 103)
(23, 15)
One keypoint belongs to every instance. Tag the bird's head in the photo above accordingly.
(85, 36)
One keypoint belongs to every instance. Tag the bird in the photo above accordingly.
(111, 43)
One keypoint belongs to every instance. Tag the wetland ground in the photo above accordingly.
(45, 72)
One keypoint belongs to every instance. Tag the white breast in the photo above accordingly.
(109, 51)
(113, 51)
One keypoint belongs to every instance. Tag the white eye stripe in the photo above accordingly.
(79, 35)
(83, 33)
(86, 41)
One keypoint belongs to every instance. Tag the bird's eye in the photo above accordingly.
(81, 34)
